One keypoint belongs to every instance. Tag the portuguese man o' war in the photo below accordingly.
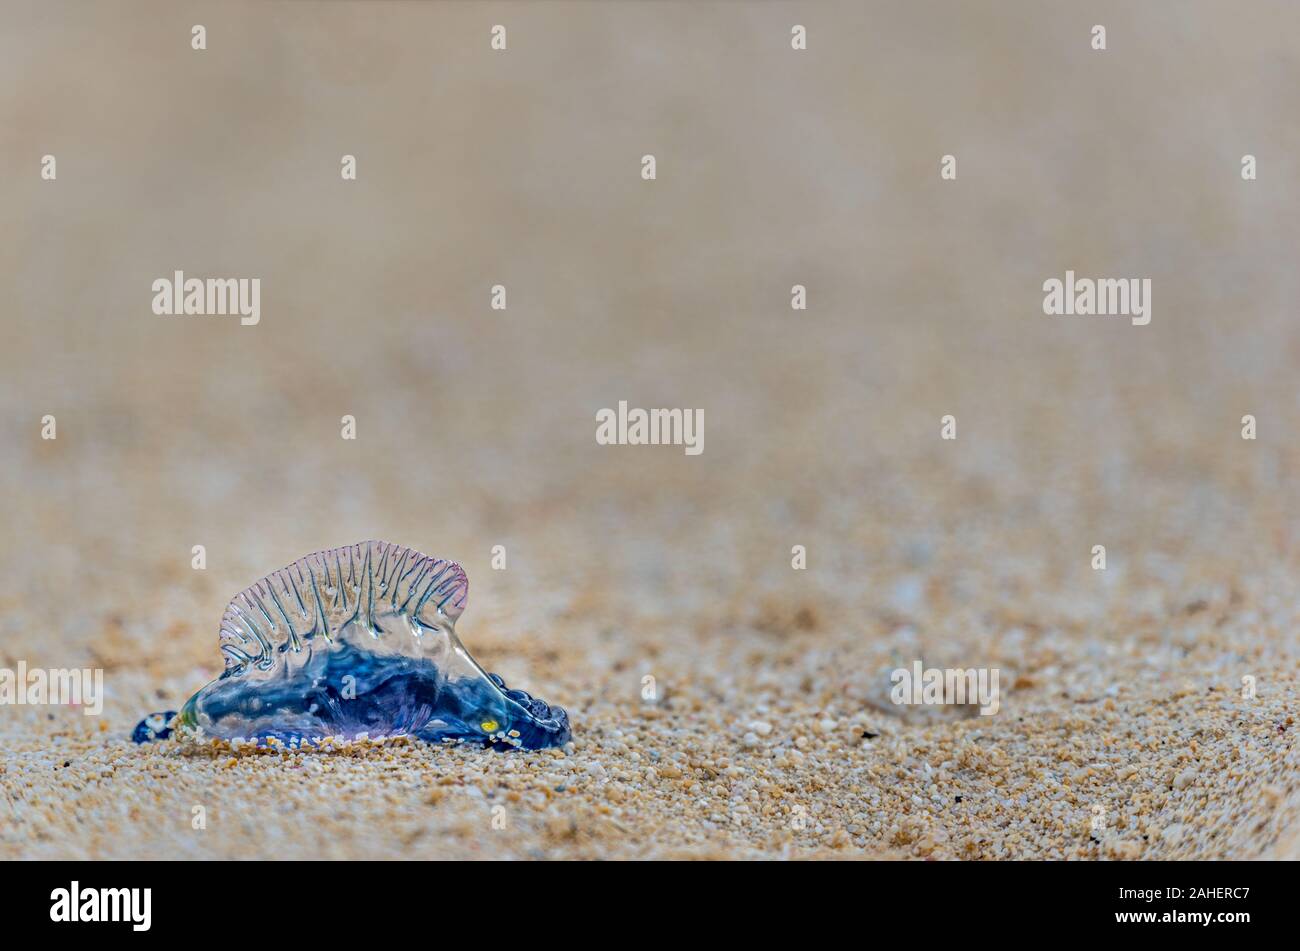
(352, 642)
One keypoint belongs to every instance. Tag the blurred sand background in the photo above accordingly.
(1122, 688)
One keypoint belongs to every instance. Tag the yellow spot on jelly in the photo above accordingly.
(489, 726)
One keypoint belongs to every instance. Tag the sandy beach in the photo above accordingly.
(725, 702)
